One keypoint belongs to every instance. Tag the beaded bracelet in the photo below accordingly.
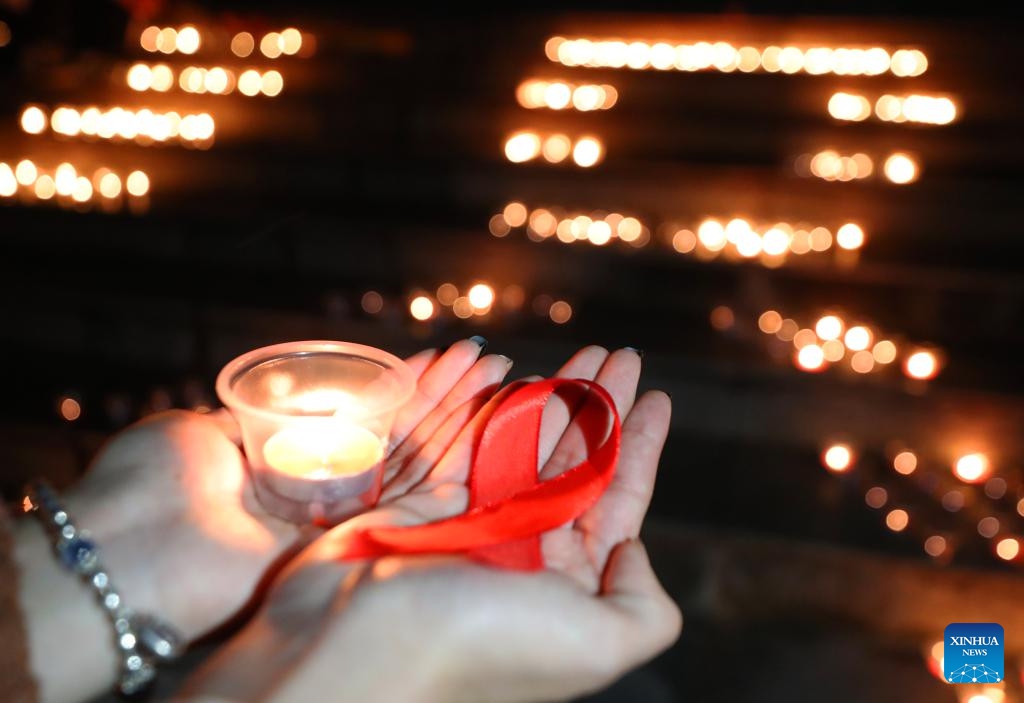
(142, 640)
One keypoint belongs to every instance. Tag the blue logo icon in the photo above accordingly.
(973, 652)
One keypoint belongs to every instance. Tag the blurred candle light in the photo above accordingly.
(560, 312)
(857, 338)
(837, 458)
(447, 293)
(769, 322)
(372, 302)
(897, 520)
(137, 183)
(922, 365)
(33, 120)
(69, 408)
(421, 308)
(522, 146)
(971, 468)
(876, 497)
(481, 296)
(1008, 548)
(935, 546)
(901, 169)
(850, 236)
(587, 151)
(905, 463)
(849, 107)
(988, 527)
(242, 44)
(8, 181)
(26, 172)
(829, 327)
(884, 352)
(811, 358)
(722, 318)
(187, 40)
(556, 148)
(862, 362)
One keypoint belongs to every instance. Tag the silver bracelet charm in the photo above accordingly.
(142, 640)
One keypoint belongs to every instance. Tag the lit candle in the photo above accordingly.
(304, 459)
(316, 418)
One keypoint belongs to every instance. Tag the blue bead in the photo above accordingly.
(76, 552)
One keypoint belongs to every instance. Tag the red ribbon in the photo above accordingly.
(509, 509)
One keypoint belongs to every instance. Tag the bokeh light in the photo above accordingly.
(69, 408)
(1008, 548)
(897, 520)
(901, 168)
(421, 308)
(837, 457)
(922, 365)
(972, 468)
(905, 463)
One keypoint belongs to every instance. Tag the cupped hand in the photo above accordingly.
(447, 628)
(170, 503)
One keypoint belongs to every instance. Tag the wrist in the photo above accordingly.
(70, 643)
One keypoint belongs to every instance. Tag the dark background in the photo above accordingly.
(379, 167)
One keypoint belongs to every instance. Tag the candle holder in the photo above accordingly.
(316, 419)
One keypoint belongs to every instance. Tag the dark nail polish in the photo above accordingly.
(638, 352)
(479, 341)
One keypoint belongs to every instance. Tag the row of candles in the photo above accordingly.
(66, 184)
(475, 300)
(188, 40)
(830, 165)
(724, 56)
(143, 126)
(735, 239)
(920, 109)
(831, 339)
(216, 80)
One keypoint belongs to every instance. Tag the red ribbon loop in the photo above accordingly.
(509, 509)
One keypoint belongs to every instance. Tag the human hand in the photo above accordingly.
(171, 506)
(447, 628)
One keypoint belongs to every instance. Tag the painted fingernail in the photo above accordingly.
(479, 341)
(638, 352)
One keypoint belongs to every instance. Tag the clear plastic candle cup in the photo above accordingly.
(316, 419)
